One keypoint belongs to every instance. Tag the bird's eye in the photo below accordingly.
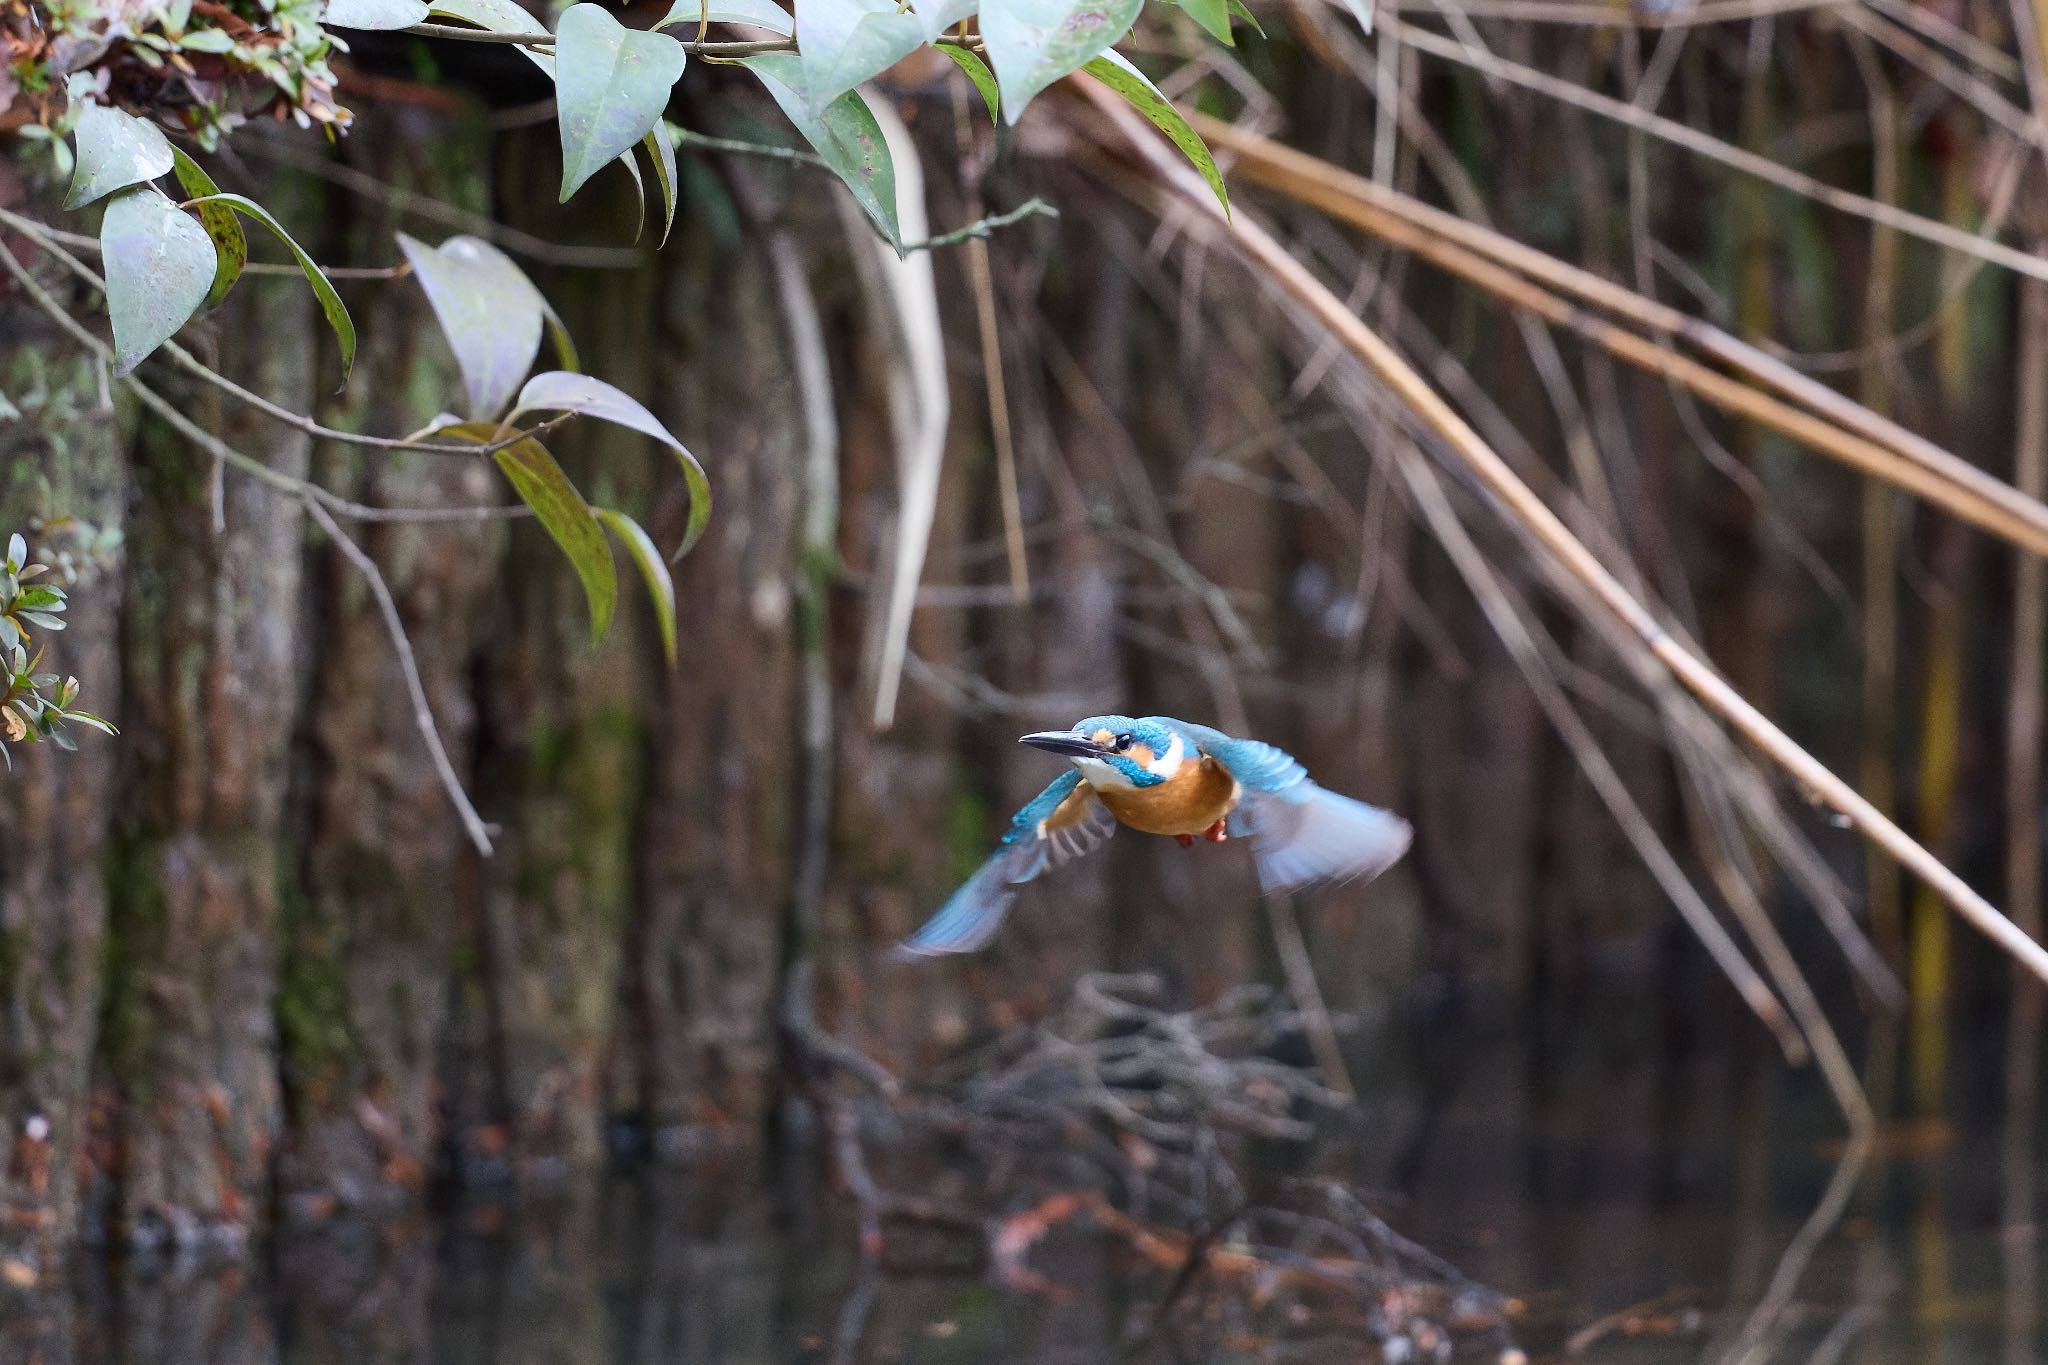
(1123, 742)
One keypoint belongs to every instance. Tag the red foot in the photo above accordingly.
(1216, 833)
(1184, 840)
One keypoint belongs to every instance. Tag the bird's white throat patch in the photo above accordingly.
(1106, 776)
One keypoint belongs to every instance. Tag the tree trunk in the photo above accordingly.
(214, 657)
(63, 472)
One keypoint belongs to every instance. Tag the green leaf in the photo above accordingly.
(845, 134)
(611, 85)
(499, 16)
(977, 71)
(211, 40)
(115, 150)
(841, 43)
(557, 391)
(1213, 15)
(488, 310)
(1243, 11)
(559, 338)
(760, 13)
(323, 288)
(661, 589)
(373, 15)
(1119, 75)
(543, 486)
(1032, 43)
(223, 224)
(662, 152)
(159, 264)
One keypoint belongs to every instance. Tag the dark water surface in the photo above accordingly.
(1641, 1195)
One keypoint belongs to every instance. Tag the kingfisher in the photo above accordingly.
(1165, 776)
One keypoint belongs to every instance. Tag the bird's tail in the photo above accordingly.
(1301, 838)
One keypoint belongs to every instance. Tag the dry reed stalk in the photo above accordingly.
(1836, 426)
(1453, 436)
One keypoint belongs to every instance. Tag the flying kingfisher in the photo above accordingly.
(1164, 776)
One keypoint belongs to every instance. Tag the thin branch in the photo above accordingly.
(1851, 432)
(317, 501)
(422, 713)
(1715, 149)
(193, 365)
(1030, 208)
(981, 279)
(1456, 438)
(690, 140)
(544, 39)
(404, 201)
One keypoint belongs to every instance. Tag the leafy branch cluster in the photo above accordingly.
(202, 67)
(114, 83)
(34, 706)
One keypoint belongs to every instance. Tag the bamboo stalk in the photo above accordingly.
(1454, 437)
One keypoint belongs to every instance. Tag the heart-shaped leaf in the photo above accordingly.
(542, 485)
(115, 150)
(611, 86)
(159, 265)
(760, 13)
(1032, 43)
(488, 310)
(844, 133)
(841, 43)
(223, 224)
(323, 288)
(661, 589)
(374, 15)
(559, 391)
(1119, 75)
(940, 15)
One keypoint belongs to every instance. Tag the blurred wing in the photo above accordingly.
(1058, 825)
(1309, 835)
(1301, 834)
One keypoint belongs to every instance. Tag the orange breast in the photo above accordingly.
(1189, 802)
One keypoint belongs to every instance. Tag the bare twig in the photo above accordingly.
(1453, 435)
(401, 644)
(1715, 149)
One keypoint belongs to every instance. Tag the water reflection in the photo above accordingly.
(1643, 1209)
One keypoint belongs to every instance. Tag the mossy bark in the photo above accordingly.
(377, 942)
(63, 472)
(716, 827)
(214, 659)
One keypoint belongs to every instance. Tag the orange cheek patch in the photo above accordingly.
(1143, 753)
(1103, 737)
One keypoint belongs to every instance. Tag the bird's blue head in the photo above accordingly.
(1118, 751)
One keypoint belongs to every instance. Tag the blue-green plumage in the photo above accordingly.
(1157, 773)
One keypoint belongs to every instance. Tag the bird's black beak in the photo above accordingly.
(1069, 742)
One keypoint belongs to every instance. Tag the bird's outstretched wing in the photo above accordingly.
(1301, 833)
(1059, 824)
